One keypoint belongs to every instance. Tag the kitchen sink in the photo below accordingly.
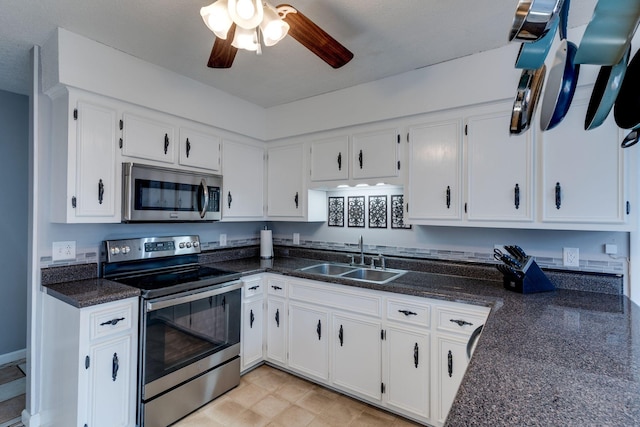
(364, 274)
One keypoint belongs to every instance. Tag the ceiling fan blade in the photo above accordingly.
(314, 38)
(222, 53)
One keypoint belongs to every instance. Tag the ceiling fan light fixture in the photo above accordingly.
(272, 26)
(216, 18)
(246, 39)
(246, 14)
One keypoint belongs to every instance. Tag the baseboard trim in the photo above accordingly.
(13, 357)
(30, 420)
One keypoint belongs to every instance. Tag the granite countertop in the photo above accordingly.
(565, 357)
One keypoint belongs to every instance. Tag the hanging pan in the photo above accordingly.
(561, 85)
(533, 19)
(605, 91)
(527, 95)
(626, 109)
(532, 55)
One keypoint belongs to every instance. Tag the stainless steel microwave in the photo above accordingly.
(156, 194)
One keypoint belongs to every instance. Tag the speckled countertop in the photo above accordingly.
(561, 358)
(88, 292)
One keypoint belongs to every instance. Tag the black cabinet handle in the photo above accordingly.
(229, 199)
(295, 199)
(251, 319)
(100, 191)
(460, 323)
(188, 147)
(115, 365)
(253, 288)
(415, 355)
(276, 288)
(450, 363)
(341, 336)
(360, 159)
(339, 161)
(558, 195)
(166, 143)
(112, 321)
(516, 196)
(278, 318)
(407, 313)
(448, 197)
(319, 329)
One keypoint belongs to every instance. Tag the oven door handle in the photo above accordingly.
(193, 296)
(205, 192)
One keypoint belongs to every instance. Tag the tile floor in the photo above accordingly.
(12, 389)
(269, 397)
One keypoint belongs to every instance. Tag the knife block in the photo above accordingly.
(533, 280)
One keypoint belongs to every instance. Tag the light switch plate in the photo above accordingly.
(223, 240)
(63, 251)
(296, 238)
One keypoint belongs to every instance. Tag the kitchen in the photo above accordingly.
(399, 100)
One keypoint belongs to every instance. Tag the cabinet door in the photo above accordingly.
(252, 324)
(110, 399)
(276, 330)
(285, 197)
(357, 355)
(407, 371)
(500, 170)
(450, 368)
(97, 189)
(435, 170)
(243, 189)
(375, 154)
(199, 149)
(308, 343)
(586, 168)
(148, 137)
(330, 159)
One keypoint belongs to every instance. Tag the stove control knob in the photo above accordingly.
(188, 244)
(126, 249)
(196, 244)
(115, 251)
(181, 245)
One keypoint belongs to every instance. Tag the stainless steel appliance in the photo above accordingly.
(155, 194)
(189, 344)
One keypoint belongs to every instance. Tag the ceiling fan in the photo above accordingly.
(238, 24)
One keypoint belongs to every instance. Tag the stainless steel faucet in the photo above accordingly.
(361, 247)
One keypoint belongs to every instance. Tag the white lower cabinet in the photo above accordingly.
(90, 369)
(308, 343)
(386, 349)
(252, 338)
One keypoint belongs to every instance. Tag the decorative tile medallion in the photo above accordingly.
(377, 211)
(336, 212)
(355, 211)
(397, 212)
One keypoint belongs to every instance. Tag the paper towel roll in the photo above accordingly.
(266, 244)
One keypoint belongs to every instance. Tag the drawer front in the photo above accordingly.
(409, 312)
(327, 295)
(112, 320)
(253, 287)
(277, 287)
(459, 320)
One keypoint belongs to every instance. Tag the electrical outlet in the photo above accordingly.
(223, 240)
(571, 257)
(610, 249)
(296, 238)
(63, 251)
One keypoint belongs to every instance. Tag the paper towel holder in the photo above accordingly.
(266, 244)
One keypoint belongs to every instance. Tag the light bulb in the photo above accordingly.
(245, 9)
(273, 27)
(216, 18)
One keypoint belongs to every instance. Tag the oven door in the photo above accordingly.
(188, 334)
(152, 194)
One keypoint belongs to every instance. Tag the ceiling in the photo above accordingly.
(388, 37)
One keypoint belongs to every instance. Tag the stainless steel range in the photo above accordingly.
(189, 345)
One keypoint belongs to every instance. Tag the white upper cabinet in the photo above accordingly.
(330, 159)
(375, 154)
(435, 171)
(499, 170)
(583, 174)
(148, 135)
(242, 182)
(199, 149)
(85, 175)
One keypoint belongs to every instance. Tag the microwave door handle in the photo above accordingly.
(205, 191)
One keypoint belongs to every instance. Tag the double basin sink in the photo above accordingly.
(354, 272)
